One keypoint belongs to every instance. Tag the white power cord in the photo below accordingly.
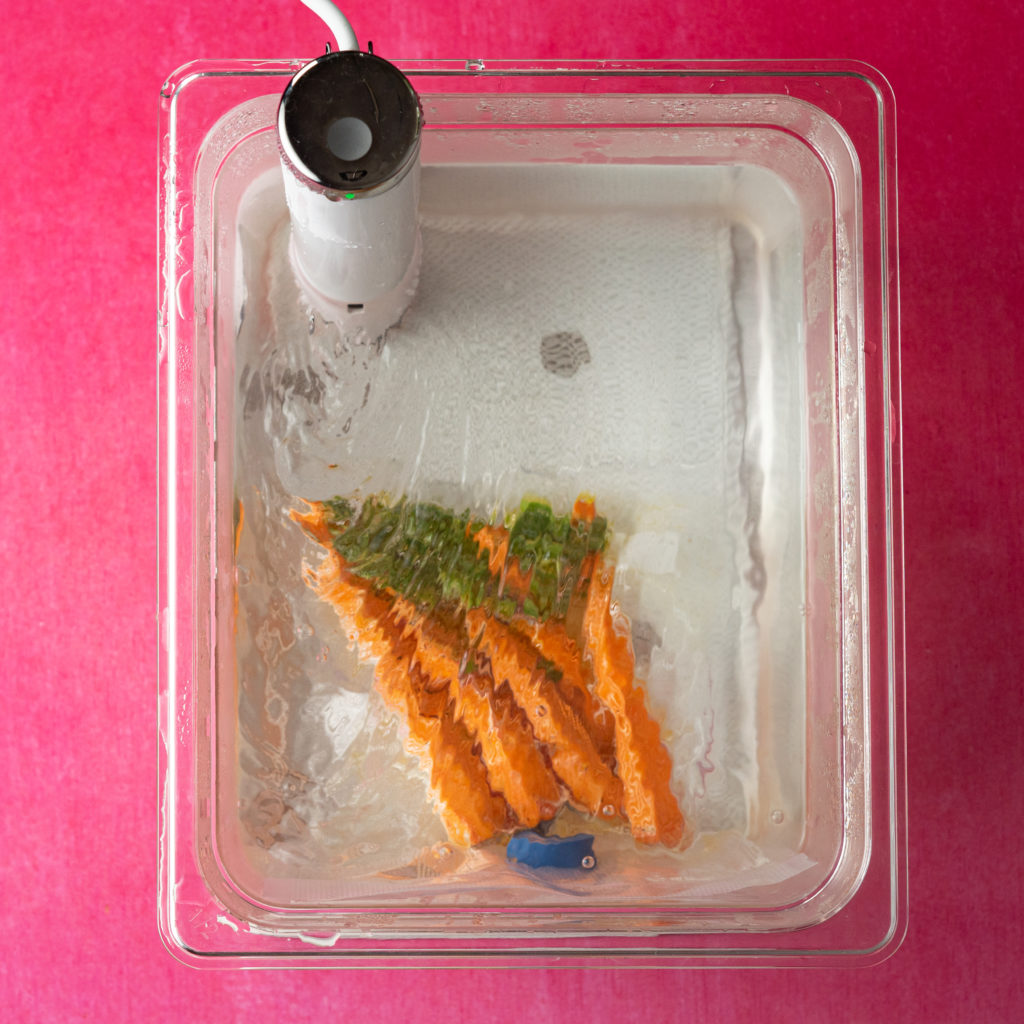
(344, 36)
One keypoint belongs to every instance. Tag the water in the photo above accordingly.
(563, 340)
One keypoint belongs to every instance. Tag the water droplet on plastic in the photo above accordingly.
(778, 817)
(183, 295)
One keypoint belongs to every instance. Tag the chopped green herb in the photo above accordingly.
(430, 554)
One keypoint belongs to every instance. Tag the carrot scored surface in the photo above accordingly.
(438, 648)
(462, 796)
(554, 643)
(573, 755)
(468, 809)
(515, 765)
(643, 763)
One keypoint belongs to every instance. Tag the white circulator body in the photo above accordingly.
(356, 258)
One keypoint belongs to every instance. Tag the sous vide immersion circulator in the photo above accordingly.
(349, 127)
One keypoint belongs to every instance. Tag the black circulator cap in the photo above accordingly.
(350, 121)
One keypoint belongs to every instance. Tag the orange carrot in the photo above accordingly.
(314, 522)
(239, 525)
(438, 649)
(554, 643)
(573, 755)
(584, 509)
(515, 765)
(642, 761)
(463, 800)
(469, 810)
(493, 540)
(514, 581)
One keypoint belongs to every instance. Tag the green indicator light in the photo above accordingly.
(350, 195)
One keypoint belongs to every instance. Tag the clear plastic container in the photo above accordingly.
(672, 286)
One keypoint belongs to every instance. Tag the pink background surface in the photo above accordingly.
(78, 937)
